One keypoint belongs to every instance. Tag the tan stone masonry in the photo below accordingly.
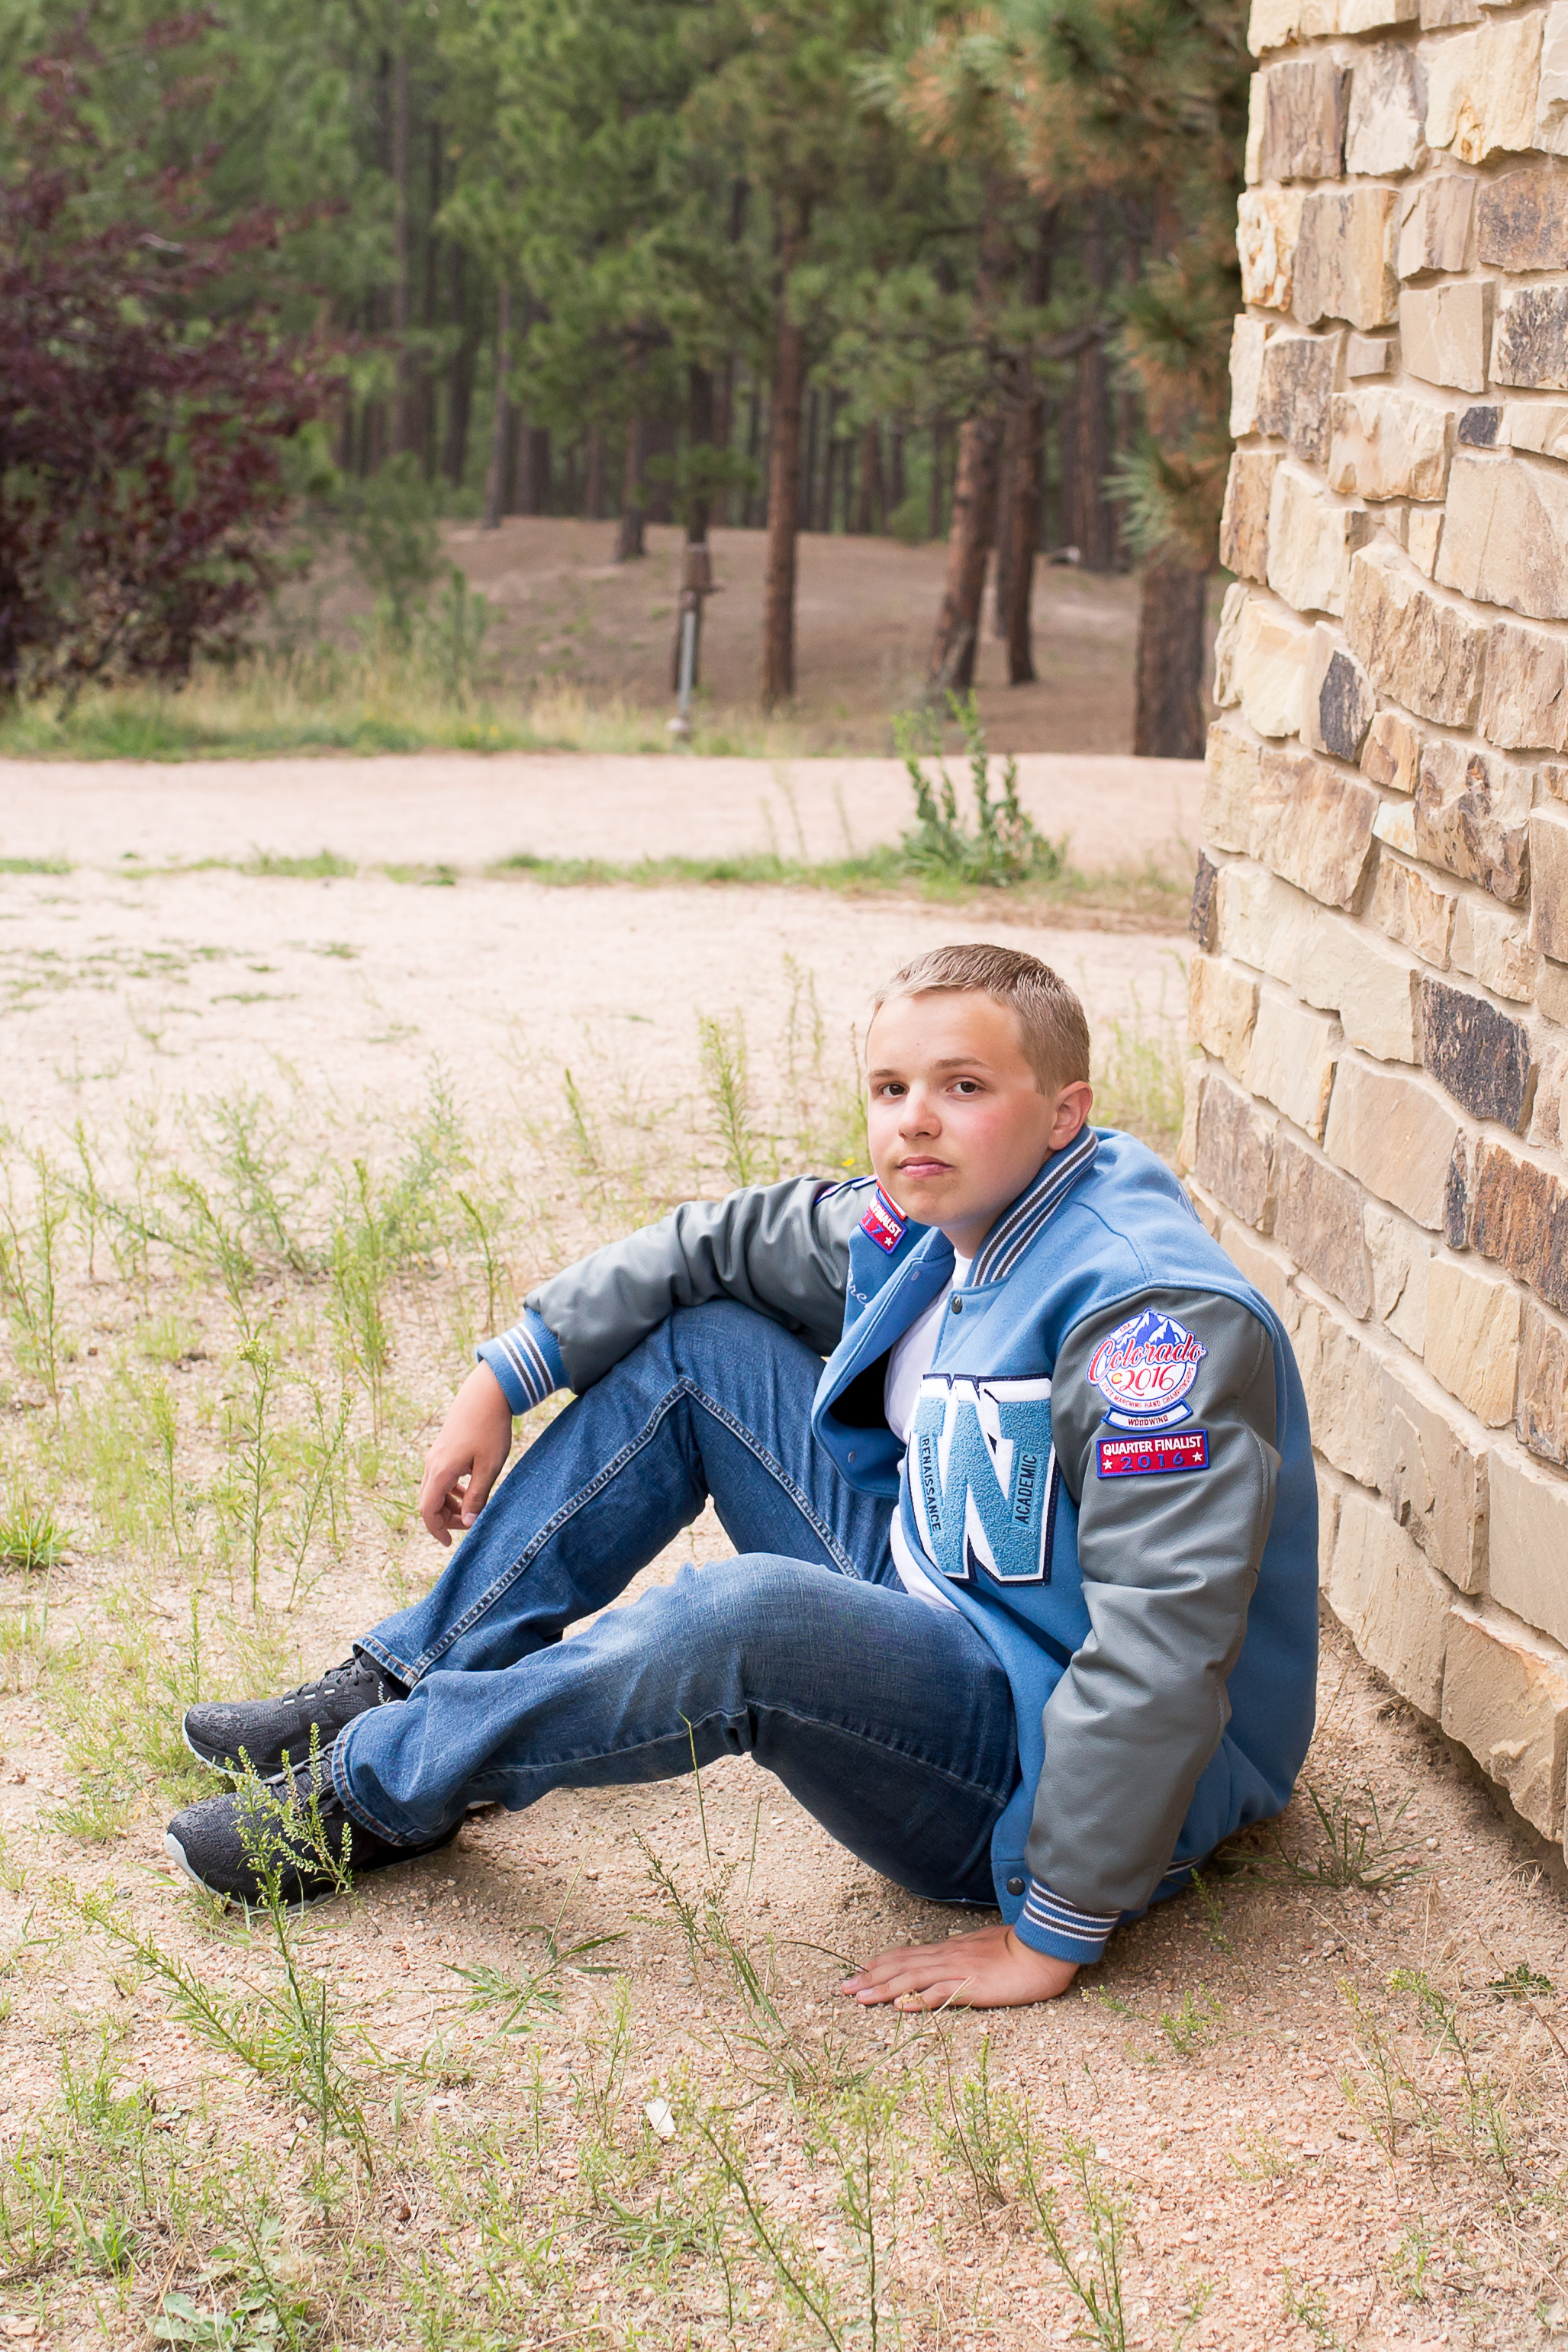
(1378, 1125)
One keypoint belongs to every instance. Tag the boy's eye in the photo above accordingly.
(967, 1085)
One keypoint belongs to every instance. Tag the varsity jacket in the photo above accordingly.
(1108, 1471)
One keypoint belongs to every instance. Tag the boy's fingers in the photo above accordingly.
(477, 1494)
(438, 1496)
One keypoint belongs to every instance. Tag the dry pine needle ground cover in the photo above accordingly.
(581, 2080)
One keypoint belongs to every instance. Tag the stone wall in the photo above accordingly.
(1377, 1130)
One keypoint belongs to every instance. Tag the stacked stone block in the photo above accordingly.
(1377, 1126)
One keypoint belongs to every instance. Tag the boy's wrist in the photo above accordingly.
(527, 1362)
(1060, 1930)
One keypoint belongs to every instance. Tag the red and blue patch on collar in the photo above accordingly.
(884, 1221)
(1154, 1456)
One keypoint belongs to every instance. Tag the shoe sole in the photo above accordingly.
(181, 1862)
(213, 1763)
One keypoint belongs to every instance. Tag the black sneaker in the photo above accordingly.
(293, 1824)
(265, 1730)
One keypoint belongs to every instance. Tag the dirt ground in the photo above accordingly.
(1329, 2107)
(568, 615)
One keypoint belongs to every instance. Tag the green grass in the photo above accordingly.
(34, 866)
(272, 708)
(1147, 894)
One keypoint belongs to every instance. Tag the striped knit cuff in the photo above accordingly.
(1050, 1924)
(526, 1360)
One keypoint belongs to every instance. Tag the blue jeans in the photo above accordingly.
(892, 1722)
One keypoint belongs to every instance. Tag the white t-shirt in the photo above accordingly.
(906, 1367)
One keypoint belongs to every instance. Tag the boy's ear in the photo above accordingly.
(1073, 1104)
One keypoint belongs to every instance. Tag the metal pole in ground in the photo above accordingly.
(697, 582)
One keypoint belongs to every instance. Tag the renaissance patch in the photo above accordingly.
(884, 1221)
(1145, 1370)
(1152, 1457)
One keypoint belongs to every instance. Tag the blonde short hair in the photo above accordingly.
(1053, 1026)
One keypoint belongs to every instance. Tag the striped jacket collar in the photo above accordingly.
(1019, 1227)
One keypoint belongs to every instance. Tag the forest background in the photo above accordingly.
(831, 265)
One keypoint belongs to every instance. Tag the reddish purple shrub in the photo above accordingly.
(142, 432)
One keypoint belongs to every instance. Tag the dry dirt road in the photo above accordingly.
(466, 811)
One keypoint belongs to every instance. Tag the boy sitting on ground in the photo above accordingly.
(1024, 1609)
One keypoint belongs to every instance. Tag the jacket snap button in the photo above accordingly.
(852, 1453)
(1014, 1886)
(957, 1306)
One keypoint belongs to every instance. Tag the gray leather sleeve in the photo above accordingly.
(1169, 1562)
(783, 1249)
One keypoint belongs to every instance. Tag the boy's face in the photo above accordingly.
(957, 1122)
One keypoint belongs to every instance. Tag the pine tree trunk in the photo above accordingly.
(629, 538)
(1026, 486)
(723, 433)
(460, 377)
(783, 492)
(659, 497)
(594, 472)
(809, 463)
(951, 667)
(1172, 608)
(1002, 579)
(1093, 525)
(533, 469)
(500, 418)
(873, 494)
(405, 405)
(700, 427)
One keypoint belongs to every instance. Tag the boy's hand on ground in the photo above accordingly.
(989, 1969)
(467, 1457)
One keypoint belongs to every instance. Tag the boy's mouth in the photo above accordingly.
(924, 1168)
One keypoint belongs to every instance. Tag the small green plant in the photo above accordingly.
(31, 1536)
(1411, 2261)
(287, 2032)
(1308, 2305)
(325, 867)
(1521, 1984)
(394, 538)
(1092, 2271)
(1187, 2028)
(1004, 846)
(254, 1452)
(246, 2300)
(525, 1997)
(484, 1219)
(977, 2129)
(1359, 1850)
(30, 1274)
(450, 637)
(801, 2278)
(1139, 1064)
(726, 1081)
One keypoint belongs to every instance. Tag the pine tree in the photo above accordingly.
(1148, 98)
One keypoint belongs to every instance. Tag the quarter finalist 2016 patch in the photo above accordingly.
(1152, 1457)
(1145, 1370)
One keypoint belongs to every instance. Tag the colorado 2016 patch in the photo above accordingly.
(882, 1222)
(1153, 1457)
(1145, 1370)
